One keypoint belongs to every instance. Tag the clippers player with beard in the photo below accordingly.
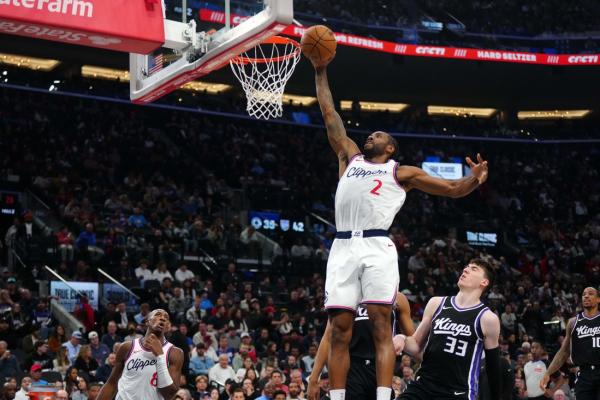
(363, 262)
(361, 383)
(452, 335)
(147, 368)
(582, 343)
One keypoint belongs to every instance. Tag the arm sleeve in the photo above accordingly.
(492, 366)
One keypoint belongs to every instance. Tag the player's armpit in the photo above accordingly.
(109, 389)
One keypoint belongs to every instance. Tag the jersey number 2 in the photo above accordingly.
(376, 188)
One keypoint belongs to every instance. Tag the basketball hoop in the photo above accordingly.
(263, 73)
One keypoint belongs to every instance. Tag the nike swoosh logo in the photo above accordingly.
(459, 393)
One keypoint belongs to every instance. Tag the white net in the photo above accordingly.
(263, 72)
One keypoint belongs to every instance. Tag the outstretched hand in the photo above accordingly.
(318, 63)
(399, 341)
(479, 170)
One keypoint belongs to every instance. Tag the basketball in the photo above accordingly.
(318, 44)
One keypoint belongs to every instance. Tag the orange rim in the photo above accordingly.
(272, 40)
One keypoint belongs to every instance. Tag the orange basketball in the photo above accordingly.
(318, 43)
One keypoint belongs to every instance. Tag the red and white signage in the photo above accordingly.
(133, 26)
(428, 51)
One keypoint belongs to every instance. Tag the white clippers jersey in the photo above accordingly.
(139, 379)
(368, 196)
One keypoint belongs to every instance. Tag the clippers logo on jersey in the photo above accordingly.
(358, 172)
(445, 326)
(585, 331)
(137, 364)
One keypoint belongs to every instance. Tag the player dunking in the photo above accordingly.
(148, 368)
(362, 381)
(582, 343)
(453, 334)
(363, 265)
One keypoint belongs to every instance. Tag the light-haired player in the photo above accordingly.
(147, 368)
(363, 262)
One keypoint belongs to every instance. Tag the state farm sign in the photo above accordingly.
(134, 26)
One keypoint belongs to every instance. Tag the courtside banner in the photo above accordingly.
(134, 26)
(427, 51)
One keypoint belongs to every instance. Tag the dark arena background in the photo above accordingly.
(110, 209)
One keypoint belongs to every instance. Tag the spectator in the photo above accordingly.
(65, 244)
(85, 362)
(143, 273)
(61, 362)
(137, 219)
(122, 318)
(279, 395)
(62, 394)
(39, 356)
(99, 350)
(201, 388)
(57, 338)
(105, 370)
(509, 320)
(85, 313)
(36, 375)
(73, 346)
(86, 241)
(140, 318)
(200, 364)
(268, 392)
(161, 272)
(225, 349)
(111, 337)
(23, 393)
(93, 390)
(221, 371)
(238, 394)
(8, 392)
(9, 366)
(277, 380)
(183, 273)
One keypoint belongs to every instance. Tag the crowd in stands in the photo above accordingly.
(136, 189)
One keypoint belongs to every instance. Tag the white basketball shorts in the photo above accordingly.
(361, 270)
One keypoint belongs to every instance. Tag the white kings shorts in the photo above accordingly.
(361, 270)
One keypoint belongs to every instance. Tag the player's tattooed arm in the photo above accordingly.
(561, 356)
(109, 389)
(342, 145)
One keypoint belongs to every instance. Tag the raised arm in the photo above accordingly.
(416, 178)
(320, 361)
(109, 389)
(342, 145)
(561, 356)
(414, 345)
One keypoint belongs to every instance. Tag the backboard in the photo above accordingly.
(189, 52)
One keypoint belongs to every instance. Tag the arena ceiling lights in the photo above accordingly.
(121, 75)
(36, 64)
(296, 100)
(373, 106)
(461, 111)
(553, 114)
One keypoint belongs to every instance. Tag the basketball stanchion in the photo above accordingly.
(263, 72)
